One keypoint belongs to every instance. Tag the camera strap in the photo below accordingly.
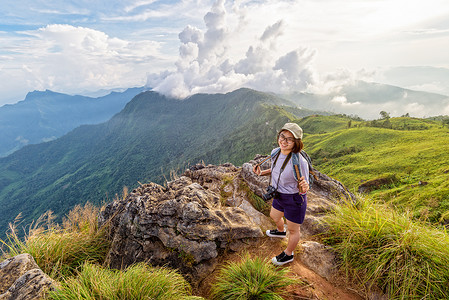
(282, 167)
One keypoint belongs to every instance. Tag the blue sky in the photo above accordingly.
(184, 47)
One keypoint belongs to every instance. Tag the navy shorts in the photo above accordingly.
(292, 205)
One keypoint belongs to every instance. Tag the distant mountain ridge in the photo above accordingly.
(150, 137)
(367, 99)
(46, 115)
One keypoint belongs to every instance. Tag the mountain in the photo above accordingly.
(423, 78)
(46, 115)
(152, 136)
(367, 99)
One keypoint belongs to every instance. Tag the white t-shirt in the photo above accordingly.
(287, 181)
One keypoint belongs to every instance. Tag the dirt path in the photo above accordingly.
(313, 286)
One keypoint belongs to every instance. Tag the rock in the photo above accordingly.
(377, 183)
(257, 184)
(319, 258)
(331, 189)
(226, 180)
(256, 216)
(22, 279)
(317, 206)
(183, 225)
(12, 268)
(212, 177)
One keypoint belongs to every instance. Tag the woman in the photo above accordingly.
(290, 201)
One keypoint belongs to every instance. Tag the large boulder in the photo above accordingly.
(22, 279)
(183, 225)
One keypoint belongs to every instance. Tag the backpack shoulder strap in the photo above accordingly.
(307, 158)
(311, 169)
(296, 166)
(275, 152)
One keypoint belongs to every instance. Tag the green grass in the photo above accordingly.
(257, 202)
(60, 250)
(139, 281)
(319, 124)
(417, 158)
(407, 259)
(251, 278)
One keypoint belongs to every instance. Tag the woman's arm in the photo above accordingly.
(258, 171)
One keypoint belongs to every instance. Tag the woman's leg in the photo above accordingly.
(278, 218)
(293, 239)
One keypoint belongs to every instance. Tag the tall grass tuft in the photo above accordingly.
(137, 282)
(252, 278)
(407, 259)
(59, 250)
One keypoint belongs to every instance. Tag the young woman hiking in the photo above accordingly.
(290, 194)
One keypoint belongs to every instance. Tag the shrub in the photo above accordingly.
(407, 259)
(252, 278)
(139, 281)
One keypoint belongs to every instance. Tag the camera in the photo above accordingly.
(271, 192)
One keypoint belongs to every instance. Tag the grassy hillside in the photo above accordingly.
(408, 168)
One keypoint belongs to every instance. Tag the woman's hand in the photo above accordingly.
(256, 170)
(259, 172)
(303, 185)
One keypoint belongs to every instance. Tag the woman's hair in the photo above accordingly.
(298, 145)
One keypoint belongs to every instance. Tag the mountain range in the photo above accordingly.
(45, 115)
(151, 137)
(367, 99)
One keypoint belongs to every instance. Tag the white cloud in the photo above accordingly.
(341, 100)
(73, 59)
(206, 64)
(22, 140)
(138, 4)
(270, 45)
(445, 110)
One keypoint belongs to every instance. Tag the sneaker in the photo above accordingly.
(282, 259)
(276, 233)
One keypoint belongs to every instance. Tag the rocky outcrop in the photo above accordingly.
(226, 180)
(188, 222)
(22, 279)
(183, 225)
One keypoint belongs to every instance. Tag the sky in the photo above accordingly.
(180, 48)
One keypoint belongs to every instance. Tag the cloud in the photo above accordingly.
(138, 4)
(22, 140)
(206, 64)
(273, 30)
(65, 58)
(341, 100)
